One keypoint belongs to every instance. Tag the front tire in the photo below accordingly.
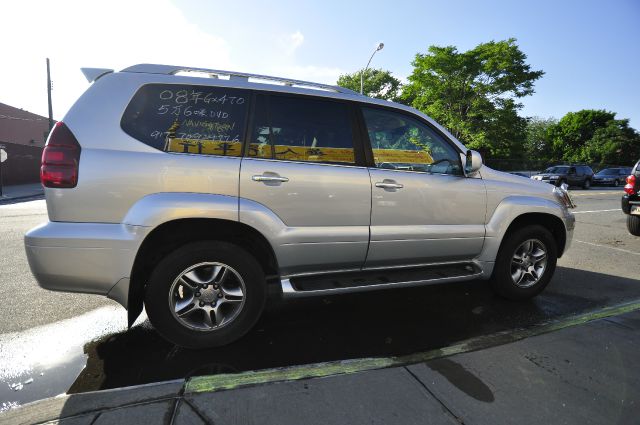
(525, 264)
(205, 294)
(633, 225)
(587, 184)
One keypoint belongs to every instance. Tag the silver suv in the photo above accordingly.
(189, 191)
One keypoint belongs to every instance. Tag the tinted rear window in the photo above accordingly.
(188, 119)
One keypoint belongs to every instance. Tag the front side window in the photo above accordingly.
(299, 129)
(191, 119)
(400, 142)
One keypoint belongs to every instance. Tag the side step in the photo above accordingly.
(369, 280)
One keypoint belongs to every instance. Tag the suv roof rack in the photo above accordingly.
(172, 70)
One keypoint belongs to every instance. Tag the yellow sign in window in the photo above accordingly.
(293, 153)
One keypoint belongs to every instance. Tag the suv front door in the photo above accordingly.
(302, 165)
(424, 210)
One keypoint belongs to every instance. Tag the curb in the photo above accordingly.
(14, 200)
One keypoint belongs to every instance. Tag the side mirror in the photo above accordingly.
(473, 162)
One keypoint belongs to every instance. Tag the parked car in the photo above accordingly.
(611, 176)
(631, 200)
(190, 195)
(572, 175)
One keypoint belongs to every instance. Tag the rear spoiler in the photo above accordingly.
(92, 74)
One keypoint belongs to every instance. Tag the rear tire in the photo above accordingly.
(205, 294)
(521, 273)
(633, 225)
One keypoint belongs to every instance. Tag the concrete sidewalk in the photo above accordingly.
(580, 374)
(19, 192)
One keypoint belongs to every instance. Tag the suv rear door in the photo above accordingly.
(303, 164)
(573, 176)
(424, 209)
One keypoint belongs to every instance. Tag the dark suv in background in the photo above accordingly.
(573, 175)
(611, 176)
(631, 201)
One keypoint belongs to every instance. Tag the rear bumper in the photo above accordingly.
(626, 207)
(627, 201)
(84, 257)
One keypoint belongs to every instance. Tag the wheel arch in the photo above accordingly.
(170, 235)
(548, 221)
(516, 212)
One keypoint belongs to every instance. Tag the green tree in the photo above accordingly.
(595, 136)
(474, 93)
(378, 83)
(537, 145)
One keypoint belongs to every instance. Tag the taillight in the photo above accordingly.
(630, 186)
(60, 159)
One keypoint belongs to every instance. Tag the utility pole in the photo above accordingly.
(49, 96)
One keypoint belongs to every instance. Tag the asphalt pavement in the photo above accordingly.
(52, 343)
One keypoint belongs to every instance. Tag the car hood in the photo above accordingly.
(516, 185)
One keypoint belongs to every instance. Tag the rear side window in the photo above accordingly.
(188, 119)
(299, 129)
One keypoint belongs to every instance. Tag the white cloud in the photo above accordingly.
(289, 43)
(296, 39)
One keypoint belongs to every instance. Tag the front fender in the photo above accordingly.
(513, 207)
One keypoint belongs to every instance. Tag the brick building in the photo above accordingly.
(22, 135)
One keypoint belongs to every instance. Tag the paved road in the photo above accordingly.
(25, 304)
(69, 342)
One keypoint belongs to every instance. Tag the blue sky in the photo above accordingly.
(590, 51)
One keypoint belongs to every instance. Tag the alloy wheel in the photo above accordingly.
(207, 296)
(528, 263)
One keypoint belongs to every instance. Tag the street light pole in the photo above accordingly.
(49, 96)
(379, 47)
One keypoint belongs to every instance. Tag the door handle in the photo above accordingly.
(389, 185)
(263, 178)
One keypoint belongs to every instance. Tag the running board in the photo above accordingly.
(369, 280)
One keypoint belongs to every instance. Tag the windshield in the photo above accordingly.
(556, 170)
(608, 172)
